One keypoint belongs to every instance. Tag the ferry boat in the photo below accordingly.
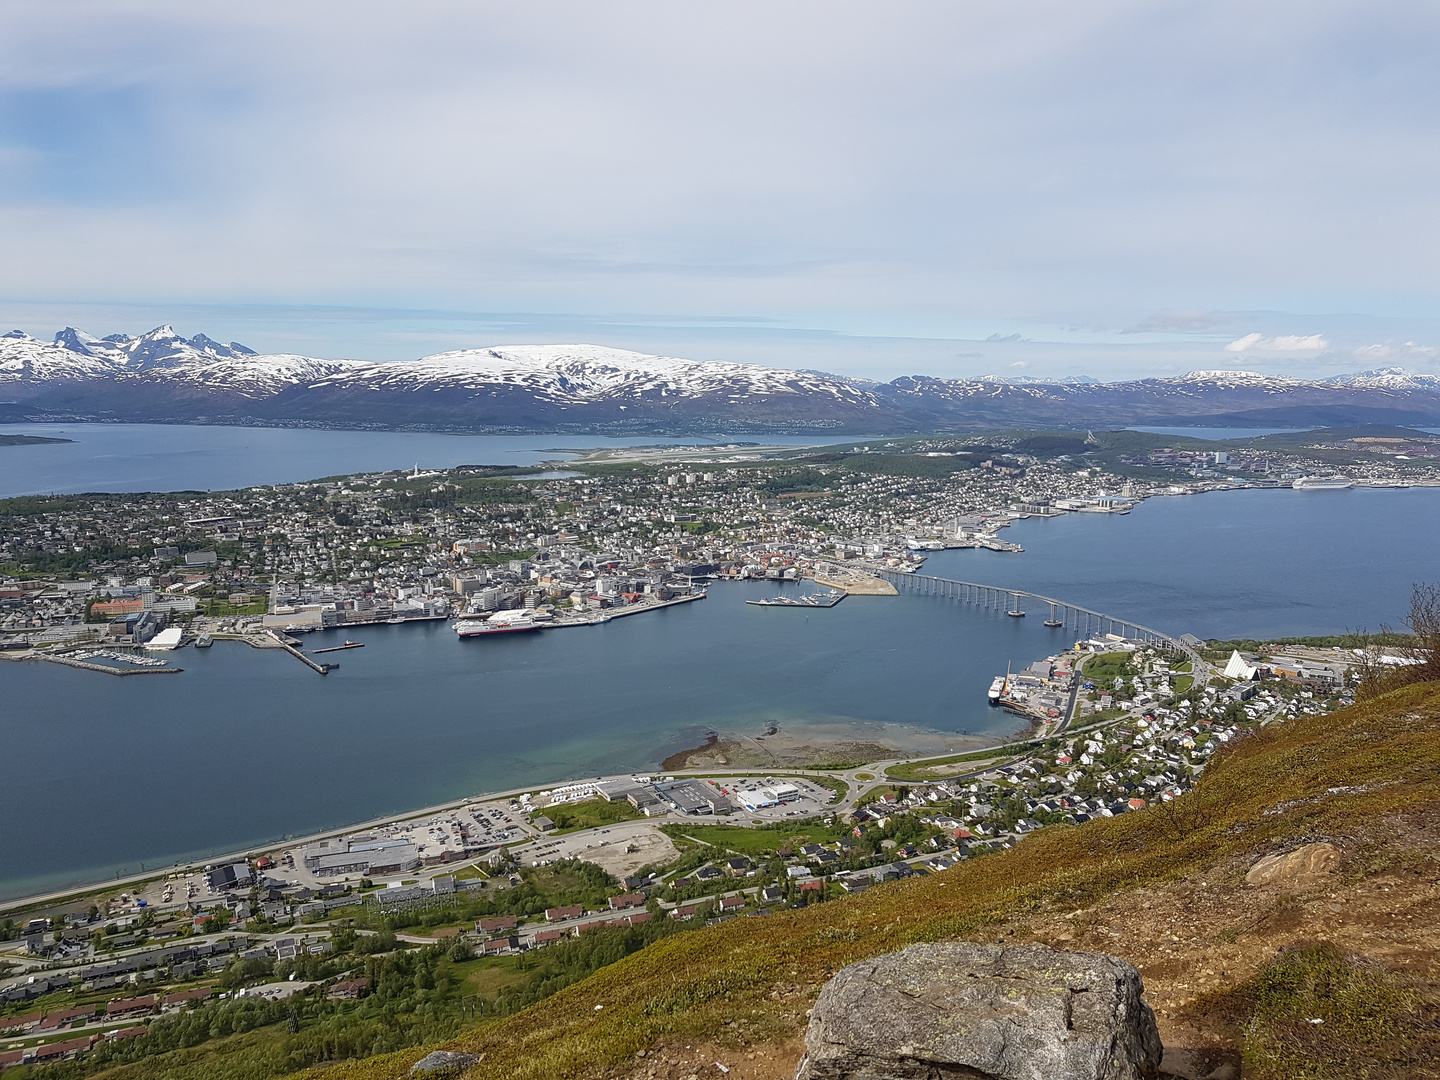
(996, 689)
(504, 622)
(204, 641)
(1322, 483)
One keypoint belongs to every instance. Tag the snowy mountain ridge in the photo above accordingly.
(577, 387)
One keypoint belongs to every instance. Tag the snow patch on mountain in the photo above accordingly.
(1387, 378)
(590, 373)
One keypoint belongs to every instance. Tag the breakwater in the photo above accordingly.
(85, 665)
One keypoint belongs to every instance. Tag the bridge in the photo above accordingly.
(1062, 613)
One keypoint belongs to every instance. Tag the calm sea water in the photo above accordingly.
(163, 457)
(247, 747)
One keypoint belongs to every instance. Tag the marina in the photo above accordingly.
(807, 600)
(105, 669)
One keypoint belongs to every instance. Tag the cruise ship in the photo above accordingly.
(503, 622)
(1322, 483)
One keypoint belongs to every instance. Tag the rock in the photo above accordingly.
(443, 1063)
(982, 1012)
(1308, 865)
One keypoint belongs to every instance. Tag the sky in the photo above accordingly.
(1039, 188)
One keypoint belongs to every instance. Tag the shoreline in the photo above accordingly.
(965, 743)
(59, 895)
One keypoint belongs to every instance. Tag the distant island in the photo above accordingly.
(28, 440)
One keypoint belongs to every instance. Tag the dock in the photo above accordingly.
(598, 618)
(339, 648)
(53, 658)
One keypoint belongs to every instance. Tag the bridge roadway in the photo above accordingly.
(1062, 612)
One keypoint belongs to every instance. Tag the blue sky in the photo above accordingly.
(1031, 188)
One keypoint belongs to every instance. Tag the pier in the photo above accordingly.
(596, 618)
(341, 648)
(1062, 613)
(280, 643)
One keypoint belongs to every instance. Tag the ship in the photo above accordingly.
(504, 622)
(204, 641)
(1322, 483)
(996, 689)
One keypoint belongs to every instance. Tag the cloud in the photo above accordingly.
(1283, 344)
(1408, 351)
(1190, 319)
(1020, 364)
(1001, 339)
(913, 168)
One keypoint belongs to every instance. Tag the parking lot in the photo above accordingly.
(810, 798)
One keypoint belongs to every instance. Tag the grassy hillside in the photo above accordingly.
(747, 983)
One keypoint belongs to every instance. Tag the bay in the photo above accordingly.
(246, 747)
(1244, 563)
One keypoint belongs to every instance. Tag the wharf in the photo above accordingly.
(52, 658)
(339, 648)
(273, 640)
(600, 617)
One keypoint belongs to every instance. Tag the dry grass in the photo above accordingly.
(1307, 779)
(1317, 1012)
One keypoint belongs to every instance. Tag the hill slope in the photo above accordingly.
(1232, 968)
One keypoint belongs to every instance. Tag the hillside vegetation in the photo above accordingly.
(1366, 777)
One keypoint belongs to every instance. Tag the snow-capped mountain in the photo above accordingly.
(161, 376)
(1390, 378)
(161, 356)
(586, 373)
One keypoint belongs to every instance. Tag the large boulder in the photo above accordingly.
(443, 1064)
(982, 1012)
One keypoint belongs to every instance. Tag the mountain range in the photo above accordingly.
(163, 377)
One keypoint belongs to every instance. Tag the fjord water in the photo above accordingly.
(164, 457)
(246, 747)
